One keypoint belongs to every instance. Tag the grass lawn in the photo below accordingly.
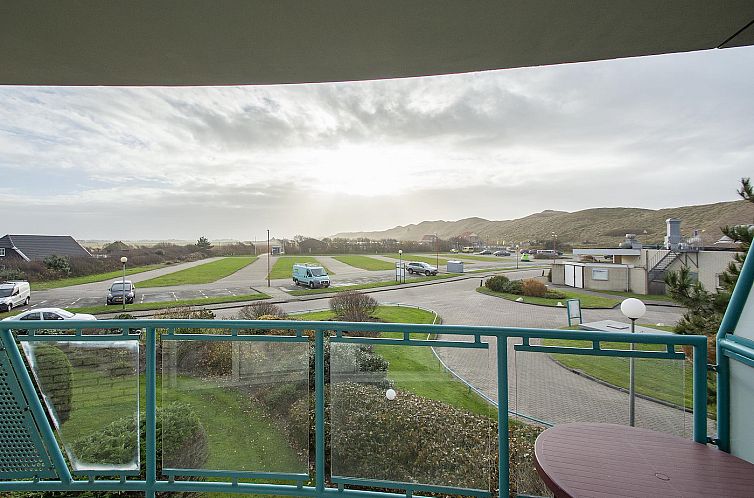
(505, 269)
(88, 279)
(365, 262)
(370, 285)
(168, 304)
(643, 297)
(227, 415)
(283, 267)
(667, 380)
(202, 274)
(416, 369)
(473, 257)
(587, 300)
(428, 258)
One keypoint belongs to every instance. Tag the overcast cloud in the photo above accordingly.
(159, 163)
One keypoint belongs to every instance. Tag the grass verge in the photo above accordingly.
(416, 369)
(202, 274)
(429, 259)
(94, 310)
(365, 262)
(643, 297)
(587, 300)
(283, 267)
(370, 285)
(88, 279)
(667, 380)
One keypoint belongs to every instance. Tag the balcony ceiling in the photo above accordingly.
(229, 42)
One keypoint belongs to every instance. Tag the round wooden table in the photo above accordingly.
(577, 460)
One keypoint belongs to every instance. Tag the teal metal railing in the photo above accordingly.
(249, 331)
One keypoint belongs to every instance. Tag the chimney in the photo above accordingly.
(673, 236)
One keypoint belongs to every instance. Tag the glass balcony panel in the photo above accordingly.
(549, 389)
(235, 406)
(91, 391)
(411, 438)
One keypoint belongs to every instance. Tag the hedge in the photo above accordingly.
(55, 376)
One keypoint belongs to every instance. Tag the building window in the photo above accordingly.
(2, 252)
(600, 274)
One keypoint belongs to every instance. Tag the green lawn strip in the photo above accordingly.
(201, 274)
(168, 304)
(283, 267)
(88, 279)
(370, 285)
(365, 262)
(429, 258)
(587, 300)
(643, 297)
(228, 416)
(416, 369)
(506, 269)
(667, 380)
(473, 257)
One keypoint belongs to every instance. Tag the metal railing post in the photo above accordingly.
(151, 411)
(319, 411)
(700, 392)
(503, 466)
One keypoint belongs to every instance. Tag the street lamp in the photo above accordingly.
(632, 308)
(124, 260)
(268, 257)
(400, 266)
(554, 252)
(516, 247)
(437, 253)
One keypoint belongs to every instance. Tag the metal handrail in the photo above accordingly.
(238, 331)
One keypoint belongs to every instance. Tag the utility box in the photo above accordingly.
(455, 266)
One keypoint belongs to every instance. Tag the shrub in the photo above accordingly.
(11, 274)
(261, 308)
(58, 264)
(498, 283)
(553, 294)
(352, 306)
(533, 288)
(55, 377)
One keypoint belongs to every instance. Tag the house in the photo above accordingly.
(633, 268)
(274, 247)
(39, 247)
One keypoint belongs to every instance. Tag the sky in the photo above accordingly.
(318, 159)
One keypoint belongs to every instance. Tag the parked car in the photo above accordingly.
(418, 267)
(14, 293)
(50, 314)
(311, 276)
(486, 251)
(501, 253)
(454, 251)
(121, 290)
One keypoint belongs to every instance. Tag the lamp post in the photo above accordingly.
(516, 248)
(437, 253)
(124, 260)
(632, 308)
(554, 240)
(400, 266)
(268, 257)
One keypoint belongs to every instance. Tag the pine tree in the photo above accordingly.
(203, 245)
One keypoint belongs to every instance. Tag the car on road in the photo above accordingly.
(121, 290)
(312, 276)
(501, 253)
(45, 314)
(14, 293)
(419, 268)
(486, 251)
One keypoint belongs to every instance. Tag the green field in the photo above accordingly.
(587, 300)
(643, 297)
(429, 258)
(283, 267)
(416, 369)
(202, 274)
(667, 380)
(88, 279)
(473, 257)
(365, 262)
(370, 285)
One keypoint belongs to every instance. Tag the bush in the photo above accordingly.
(261, 308)
(533, 288)
(501, 283)
(58, 264)
(55, 377)
(498, 283)
(352, 306)
(553, 294)
(11, 274)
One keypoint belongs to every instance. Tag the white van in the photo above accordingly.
(14, 293)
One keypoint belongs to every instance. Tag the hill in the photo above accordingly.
(589, 227)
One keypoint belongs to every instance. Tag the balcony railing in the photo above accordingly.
(257, 358)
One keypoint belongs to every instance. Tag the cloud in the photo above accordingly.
(323, 158)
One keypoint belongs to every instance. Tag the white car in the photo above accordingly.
(49, 314)
(417, 267)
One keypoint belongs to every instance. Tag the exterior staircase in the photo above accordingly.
(657, 269)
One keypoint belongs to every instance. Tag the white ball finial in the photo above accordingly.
(390, 394)
(633, 308)
(123, 260)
